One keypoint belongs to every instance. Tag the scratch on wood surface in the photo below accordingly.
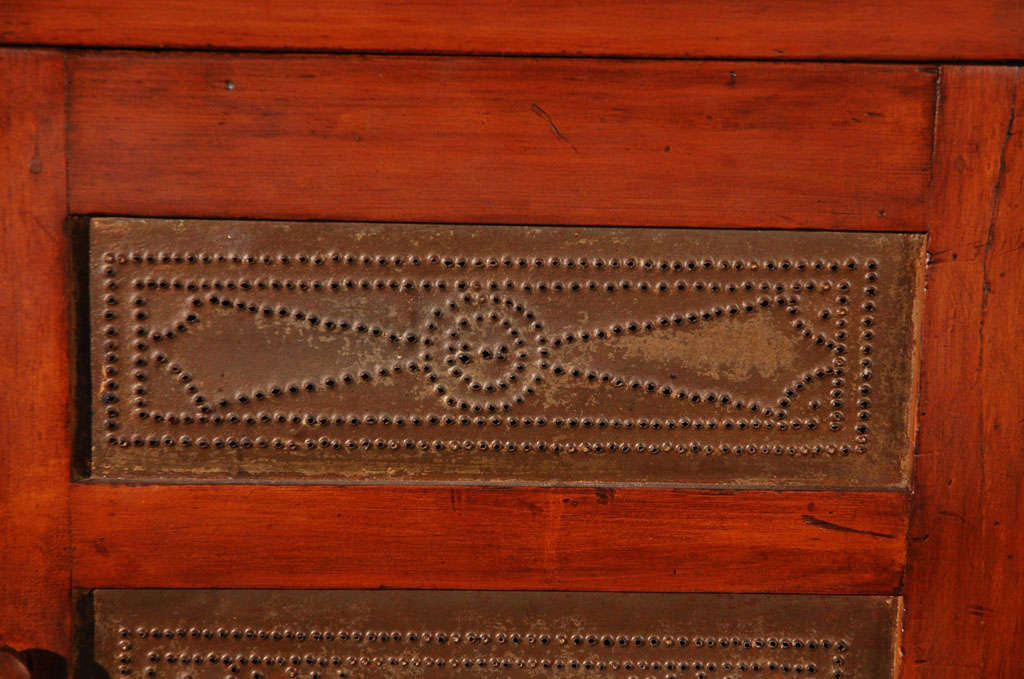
(554, 128)
(815, 521)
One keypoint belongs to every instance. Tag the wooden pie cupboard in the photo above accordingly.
(663, 340)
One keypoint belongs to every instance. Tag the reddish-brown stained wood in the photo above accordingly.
(964, 615)
(478, 538)
(35, 370)
(485, 140)
(783, 29)
(1003, 409)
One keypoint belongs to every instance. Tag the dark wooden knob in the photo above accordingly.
(12, 665)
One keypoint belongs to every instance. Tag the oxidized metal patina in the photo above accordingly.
(263, 634)
(412, 353)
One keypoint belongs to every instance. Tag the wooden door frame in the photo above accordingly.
(964, 577)
(35, 405)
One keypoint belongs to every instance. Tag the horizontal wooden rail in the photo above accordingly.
(488, 538)
(782, 29)
(479, 140)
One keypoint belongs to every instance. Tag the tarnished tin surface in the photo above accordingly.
(262, 634)
(359, 352)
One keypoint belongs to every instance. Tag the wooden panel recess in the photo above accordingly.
(483, 140)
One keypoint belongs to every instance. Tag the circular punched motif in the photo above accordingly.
(481, 353)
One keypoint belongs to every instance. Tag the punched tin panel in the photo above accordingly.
(267, 634)
(398, 353)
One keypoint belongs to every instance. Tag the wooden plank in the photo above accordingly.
(965, 573)
(1003, 408)
(34, 342)
(784, 29)
(483, 140)
(488, 538)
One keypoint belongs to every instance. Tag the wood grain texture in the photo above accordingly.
(35, 370)
(488, 140)
(499, 538)
(783, 29)
(964, 615)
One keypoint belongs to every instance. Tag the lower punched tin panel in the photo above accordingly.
(306, 634)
